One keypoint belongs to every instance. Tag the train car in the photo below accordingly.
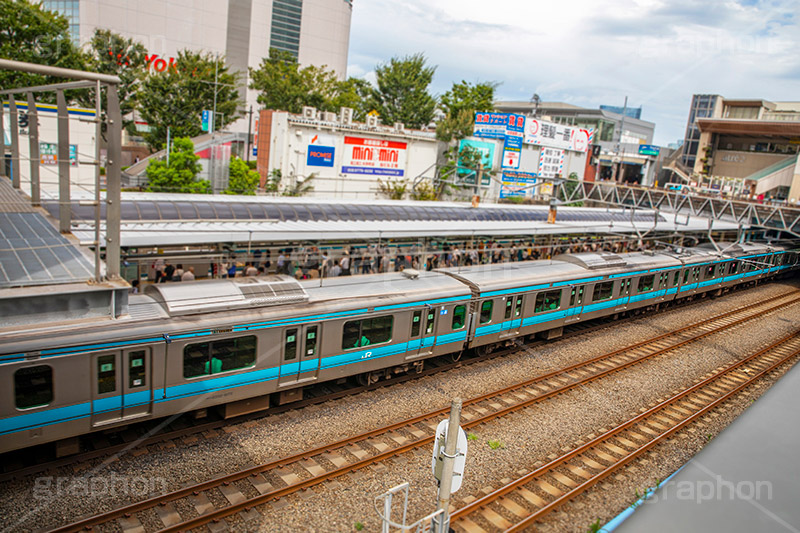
(190, 346)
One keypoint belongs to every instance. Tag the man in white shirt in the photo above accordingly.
(188, 275)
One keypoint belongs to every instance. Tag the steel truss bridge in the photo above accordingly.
(679, 204)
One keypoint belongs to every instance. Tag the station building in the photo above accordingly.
(744, 146)
(349, 160)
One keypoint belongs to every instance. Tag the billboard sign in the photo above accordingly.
(48, 154)
(551, 163)
(373, 157)
(486, 151)
(649, 149)
(320, 156)
(543, 133)
(517, 184)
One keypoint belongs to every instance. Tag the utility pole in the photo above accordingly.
(168, 146)
(618, 173)
(213, 128)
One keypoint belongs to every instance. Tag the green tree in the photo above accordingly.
(32, 34)
(242, 180)
(460, 171)
(177, 97)
(354, 93)
(181, 173)
(111, 53)
(402, 93)
(284, 85)
(460, 104)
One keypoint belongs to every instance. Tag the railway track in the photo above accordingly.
(191, 507)
(521, 503)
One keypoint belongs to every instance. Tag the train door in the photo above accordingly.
(512, 317)
(300, 357)
(309, 353)
(427, 338)
(106, 389)
(136, 383)
(575, 304)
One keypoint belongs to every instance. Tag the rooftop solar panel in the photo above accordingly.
(33, 253)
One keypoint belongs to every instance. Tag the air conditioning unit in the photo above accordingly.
(399, 126)
(372, 121)
(309, 113)
(346, 116)
(329, 117)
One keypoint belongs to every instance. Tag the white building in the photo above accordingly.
(81, 142)
(317, 32)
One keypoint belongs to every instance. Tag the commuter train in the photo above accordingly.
(243, 344)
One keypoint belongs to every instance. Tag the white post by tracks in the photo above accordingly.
(450, 448)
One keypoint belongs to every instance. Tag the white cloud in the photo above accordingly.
(588, 53)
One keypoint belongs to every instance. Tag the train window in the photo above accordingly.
(576, 297)
(106, 374)
(33, 386)
(662, 280)
(366, 332)
(625, 287)
(675, 277)
(603, 291)
(430, 320)
(137, 369)
(710, 271)
(416, 321)
(509, 307)
(547, 301)
(486, 311)
(311, 341)
(518, 307)
(696, 273)
(459, 316)
(646, 283)
(205, 358)
(290, 344)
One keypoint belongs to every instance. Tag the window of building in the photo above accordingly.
(603, 291)
(224, 355)
(646, 283)
(366, 332)
(459, 316)
(33, 386)
(547, 301)
(486, 311)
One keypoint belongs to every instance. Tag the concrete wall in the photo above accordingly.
(735, 164)
(325, 34)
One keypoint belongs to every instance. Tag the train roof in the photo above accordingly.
(485, 279)
(392, 288)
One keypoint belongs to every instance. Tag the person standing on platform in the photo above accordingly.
(188, 275)
(177, 275)
(345, 264)
(169, 271)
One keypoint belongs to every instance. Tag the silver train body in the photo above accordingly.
(244, 343)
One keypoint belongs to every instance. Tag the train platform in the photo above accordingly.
(746, 479)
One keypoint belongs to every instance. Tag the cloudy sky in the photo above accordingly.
(593, 52)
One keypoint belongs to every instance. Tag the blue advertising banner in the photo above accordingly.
(517, 184)
(486, 151)
(648, 149)
(320, 156)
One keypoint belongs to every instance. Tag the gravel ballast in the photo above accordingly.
(527, 438)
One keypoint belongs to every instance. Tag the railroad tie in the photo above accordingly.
(131, 524)
(312, 467)
(495, 519)
(232, 494)
(513, 507)
(202, 504)
(469, 526)
(261, 485)
(288, 477)
(337, 460)
(168, 515)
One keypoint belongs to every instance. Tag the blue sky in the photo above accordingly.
(594, 52)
